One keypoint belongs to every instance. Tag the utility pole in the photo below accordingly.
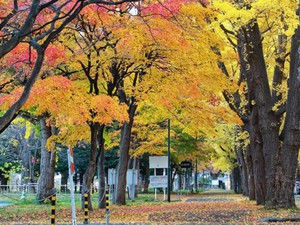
(169, 163)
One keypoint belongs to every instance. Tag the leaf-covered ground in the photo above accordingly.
(207, 208)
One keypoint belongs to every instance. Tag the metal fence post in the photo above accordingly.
(53, 200)
(107, 206)
(86, 209)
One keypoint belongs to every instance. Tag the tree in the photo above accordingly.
(19, 151)
(42, 23)
(272, 106)
(115, 63)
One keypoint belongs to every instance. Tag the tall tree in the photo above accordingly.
(40, 24)
(274, 150)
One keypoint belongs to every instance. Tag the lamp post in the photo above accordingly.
(169, 164)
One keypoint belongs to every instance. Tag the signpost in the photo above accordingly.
(158, 162)
(163, 162)
(169, 161)
(158, 181)
(186, 164)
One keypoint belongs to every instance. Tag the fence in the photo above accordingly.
(29, 188)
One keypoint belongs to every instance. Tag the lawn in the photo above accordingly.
(213, 207)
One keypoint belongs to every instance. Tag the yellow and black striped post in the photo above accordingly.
(53, 200)
(86, 208)
(107, 206)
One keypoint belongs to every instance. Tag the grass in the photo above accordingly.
(213, 207)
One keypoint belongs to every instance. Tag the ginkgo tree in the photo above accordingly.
(267, 100)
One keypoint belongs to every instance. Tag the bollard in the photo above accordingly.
(86, 209)
(107, 207)
(53, 200)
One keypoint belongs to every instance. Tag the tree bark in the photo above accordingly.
(11, 113)
(251, 183)
(298, 173)
(291, 143)
(3, 181)
(46, 179)
(120, 192)
(258, 162)
(101, 169)
(236, 180)
(243, 171)
(88, 176)
(277, 177)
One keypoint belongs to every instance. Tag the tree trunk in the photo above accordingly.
(260, 107)
(173, 175)
(26, 161)
(3, 181)
(180, 180)
(243, 171)
(251, 183)
(298, 173)
(88, 176)
(46, 179)
(12, 112)
(268, 123)
(246, 74)
(290, 149)
(236, 180)
(258, 162)
(64, 181)
(120, 192)
(81, 181)
(101, 170)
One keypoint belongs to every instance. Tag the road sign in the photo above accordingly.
(185, 164)
(156, 162)
(158, 181)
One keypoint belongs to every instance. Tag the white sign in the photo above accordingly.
(156, 162)
(158, 181)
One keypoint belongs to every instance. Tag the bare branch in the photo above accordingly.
(227, 32)
(12, 43)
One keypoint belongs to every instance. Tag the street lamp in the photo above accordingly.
(169, 164)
